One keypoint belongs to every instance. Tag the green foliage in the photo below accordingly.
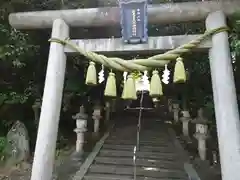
(3, 143)
(235, 48)
(235, 37)
(13, 98)
(16, 48)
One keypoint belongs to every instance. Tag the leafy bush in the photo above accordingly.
(3, 143)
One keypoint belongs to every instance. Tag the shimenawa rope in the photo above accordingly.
(150, 63)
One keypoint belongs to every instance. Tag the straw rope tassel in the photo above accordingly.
(155, 85)
(91, 78)
(179, 72)
(129, 89)
(111, 89)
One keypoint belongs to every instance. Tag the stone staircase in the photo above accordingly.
(159, 158)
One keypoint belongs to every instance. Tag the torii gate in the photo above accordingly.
(227, 116)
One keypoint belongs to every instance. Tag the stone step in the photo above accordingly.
(132, 142)
(139, 162)
(142, 138)
(151, 155)
(143, 132)
(157, 132)
(97, 176)
(141, 171)
(157, 158)
(141, 141)
(142, 148)
(151, 135)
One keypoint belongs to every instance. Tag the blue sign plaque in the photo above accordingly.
(134, 21)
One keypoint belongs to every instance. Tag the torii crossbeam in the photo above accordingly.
(226, 108)
(110, 16)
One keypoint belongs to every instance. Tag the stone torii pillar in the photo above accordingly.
(44, 155)
(225, 99)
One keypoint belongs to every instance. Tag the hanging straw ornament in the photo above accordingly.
(142, 82)
(165, 76)
(101, 75)
(139, 83)
(146, 81)
(179, 72)
(111, 89)
(124, 77)
(91, 78)
(155, 85)
(124, 84)
(129, 89)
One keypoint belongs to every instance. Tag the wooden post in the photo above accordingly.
(52, 98)
(225, 99)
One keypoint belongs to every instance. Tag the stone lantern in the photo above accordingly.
(155, 102)
(185, 122)
(170, 105)
(113, 106)
(201, 133)
(175, 109)
(107, 112)
(96, 117)
(36, 109)
(81, 123)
